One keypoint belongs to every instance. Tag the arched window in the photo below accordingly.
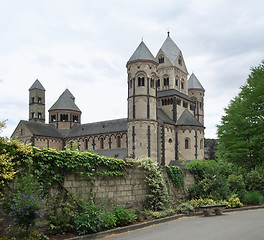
(187, 143)
(118, 141)
(158, 83)
(201, 144)
(161, 59)
(102, 142)
(152, 85)
(39, 115)
(180, 61)
(141, 81)
(166, 81)
(86, 144)
(182, 84)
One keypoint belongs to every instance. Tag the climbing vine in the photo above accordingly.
(158, 197)
(176, 175)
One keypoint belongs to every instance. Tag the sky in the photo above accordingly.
(84, 46)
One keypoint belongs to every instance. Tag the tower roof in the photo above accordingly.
(170, 49)
(187, 119)
(37, 85)
(193, 83)
(142, 53)
(66, 102)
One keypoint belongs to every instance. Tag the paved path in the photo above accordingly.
(245, 225)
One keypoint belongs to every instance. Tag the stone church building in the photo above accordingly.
(165, 113)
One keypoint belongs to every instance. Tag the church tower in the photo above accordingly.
(64, 113)
(37, 102)
(196, 93)
(142, 122)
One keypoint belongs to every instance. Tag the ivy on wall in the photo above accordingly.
(176, 175)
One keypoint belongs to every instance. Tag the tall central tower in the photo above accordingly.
(142, 114)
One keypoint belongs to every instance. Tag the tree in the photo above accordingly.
(2, 125)
(241, 132)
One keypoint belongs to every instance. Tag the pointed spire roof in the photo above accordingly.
(142, 53)
(37, 85)
(170, 50)
(66, 102)
(193, 83)
(187, 119)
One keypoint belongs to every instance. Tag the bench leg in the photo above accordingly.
(218, 211)
(207, 212)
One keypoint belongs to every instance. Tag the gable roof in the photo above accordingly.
(37, 85)
(41, 129)
(66, 102)
(187, 119)
(111, 126)
(193, 83)
(142, 53)
(170, 50)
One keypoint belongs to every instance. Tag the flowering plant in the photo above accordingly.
(26, 202)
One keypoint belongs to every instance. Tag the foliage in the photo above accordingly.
(176, 175)
(109, 220)
(236, 184)
(2, 125)
(241, 132)
(211, 145)
(73, 145)
(234, 202)
(196, 203)
(23, 235)
(202, 169)
(254, 180)
(26, 202)
(185, 208)
(88, 219)
(253, 197)
(124, 216)
(158, 197)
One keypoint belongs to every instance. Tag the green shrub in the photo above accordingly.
(109, 220)
(124, 216)
(254, 198)
(234, 202)
(176, 175)
(254, 180)
(196, 203)
(88, 219)
(185, 208)
(236, 184)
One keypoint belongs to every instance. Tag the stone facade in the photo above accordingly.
(165, 113)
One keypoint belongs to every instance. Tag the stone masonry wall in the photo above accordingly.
(129, 191)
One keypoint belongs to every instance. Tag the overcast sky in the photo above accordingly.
(84, 46)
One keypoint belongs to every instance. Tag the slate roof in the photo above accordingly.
(172, 92)
(187, 119)
(111, 126)
(170, 49)
(193, 83)
(42, 129)
(117, 153)
(66, 102)
(142, 53)
(164, 117)
(37, 85)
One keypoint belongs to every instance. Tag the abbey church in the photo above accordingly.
(165, 113)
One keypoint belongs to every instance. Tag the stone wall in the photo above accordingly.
(129, 191)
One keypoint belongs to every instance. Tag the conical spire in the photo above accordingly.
(170, 49)
(193, 83)
(37, 85)
(142, 53)
(65, 101)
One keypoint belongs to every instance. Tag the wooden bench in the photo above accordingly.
(208, 210)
